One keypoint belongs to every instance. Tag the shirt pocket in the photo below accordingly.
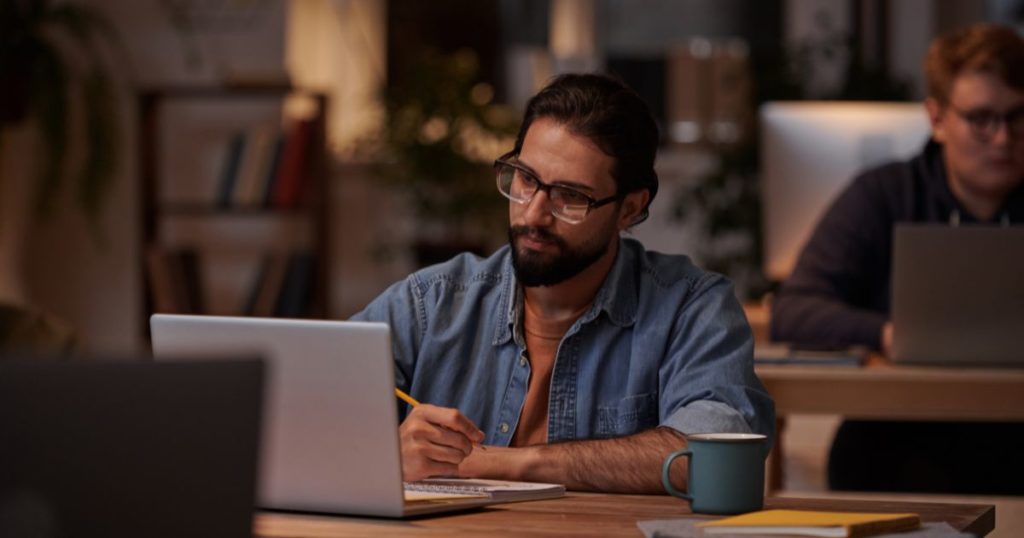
(629, 415)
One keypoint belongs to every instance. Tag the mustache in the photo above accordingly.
(533, 232)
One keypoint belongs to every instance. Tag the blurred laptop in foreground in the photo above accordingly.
(128, 449)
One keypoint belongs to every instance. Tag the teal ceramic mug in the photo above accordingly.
(726, 472)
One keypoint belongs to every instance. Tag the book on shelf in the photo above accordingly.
(253, 170)
(296, 292)
(267, 285)
(266, 167)
(229, 171)
(293, 170)
(175, 280)
(498, 490)
(283, 285)
(266, 197)
(812, 523)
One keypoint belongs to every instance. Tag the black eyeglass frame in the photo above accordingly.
(984, 124)
(592, 203)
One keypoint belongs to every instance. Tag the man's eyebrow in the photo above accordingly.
(560, 182)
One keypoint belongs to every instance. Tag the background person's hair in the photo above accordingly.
(609, 114)
(986, 48)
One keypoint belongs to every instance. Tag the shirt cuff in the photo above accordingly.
(706, 416)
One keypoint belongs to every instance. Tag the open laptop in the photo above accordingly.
(958, 295)
(128, 449)
(331, 440)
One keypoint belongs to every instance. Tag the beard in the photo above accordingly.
(535, 269)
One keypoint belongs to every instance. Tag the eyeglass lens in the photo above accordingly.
(519, 186)
(986, 123)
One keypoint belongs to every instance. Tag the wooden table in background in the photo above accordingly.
(884, 391)
(586, 514)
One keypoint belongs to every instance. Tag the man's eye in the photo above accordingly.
(571, 197)
(526, 178)
(982, 118)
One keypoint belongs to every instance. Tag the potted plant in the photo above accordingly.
(442, 133)
(52, 64)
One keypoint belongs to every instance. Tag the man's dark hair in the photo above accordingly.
(609, 114)
(987, 48)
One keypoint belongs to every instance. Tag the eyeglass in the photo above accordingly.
(985, 123)
(519, 184)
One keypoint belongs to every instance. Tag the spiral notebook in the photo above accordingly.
(495, 490)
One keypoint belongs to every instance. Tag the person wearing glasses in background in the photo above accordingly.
(572, 355)
(970, 172)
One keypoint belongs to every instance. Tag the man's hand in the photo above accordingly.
(434, 441)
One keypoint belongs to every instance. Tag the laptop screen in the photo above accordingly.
(957, 294)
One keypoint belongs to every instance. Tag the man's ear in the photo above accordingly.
(934, 109)
(632, 207)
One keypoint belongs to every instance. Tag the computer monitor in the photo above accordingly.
(811, 150)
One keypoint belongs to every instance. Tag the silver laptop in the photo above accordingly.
(331, 436)
(958, 295)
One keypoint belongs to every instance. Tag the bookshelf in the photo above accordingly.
(266, 210)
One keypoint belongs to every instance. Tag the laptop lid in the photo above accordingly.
(958, 294)
(128, 449)
(331, 439)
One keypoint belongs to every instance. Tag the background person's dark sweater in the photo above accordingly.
(838, 295)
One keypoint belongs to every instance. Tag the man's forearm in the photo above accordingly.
(629, 464)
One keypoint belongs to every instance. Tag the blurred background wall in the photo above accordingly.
(704, 66)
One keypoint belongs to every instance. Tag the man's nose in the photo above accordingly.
(538, 209)
(1001, 136)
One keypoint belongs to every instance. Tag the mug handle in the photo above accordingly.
(665, 473)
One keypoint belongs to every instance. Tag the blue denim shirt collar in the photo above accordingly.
(617, 297)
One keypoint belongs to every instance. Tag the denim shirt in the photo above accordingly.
(664, 343)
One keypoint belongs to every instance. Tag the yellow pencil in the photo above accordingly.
(406, 398)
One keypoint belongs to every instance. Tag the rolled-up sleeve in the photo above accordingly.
(706, 416)
(707, 379)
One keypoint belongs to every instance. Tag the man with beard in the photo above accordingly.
(572, 355)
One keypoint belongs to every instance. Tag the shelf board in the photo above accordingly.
(188, 209)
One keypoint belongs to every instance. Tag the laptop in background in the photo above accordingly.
(331, 441)
(128, 449)
(958, 295)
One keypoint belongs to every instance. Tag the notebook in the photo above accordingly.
(128, 449)
(958, 295)
(778, 353)
(812, 523)
(497, 490)
(331, 438)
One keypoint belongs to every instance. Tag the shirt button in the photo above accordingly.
(504, 427)
(522, 360)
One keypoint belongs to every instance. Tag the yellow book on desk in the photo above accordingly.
(812, 523)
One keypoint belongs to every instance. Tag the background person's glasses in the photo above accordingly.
(519, 185)
(985, 123)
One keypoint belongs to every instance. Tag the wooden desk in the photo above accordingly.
(882, 390)
(586, 514)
